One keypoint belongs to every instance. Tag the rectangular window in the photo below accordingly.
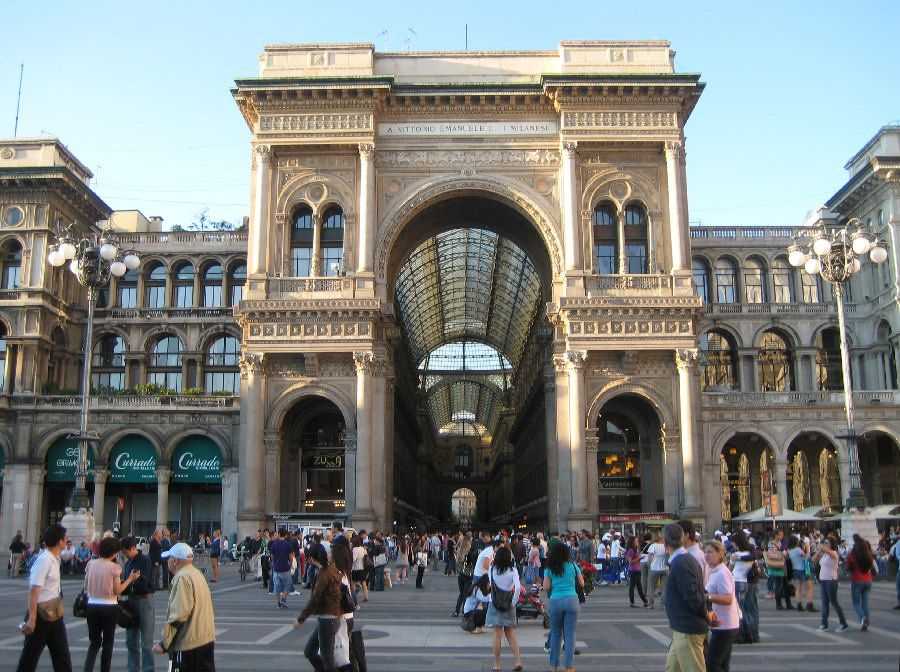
(220, 381)
(605, 259)
(212, 296)
(725, 289)
(167, 379)
(156, 297)
(237, 294)
(700, 287)
(127, 297)
(331, 260)
(108, 380)
(636, 258)
(184, 296)
(754, 287)
(781, 284)
(301, 258)
(810, 288)
(12, 277)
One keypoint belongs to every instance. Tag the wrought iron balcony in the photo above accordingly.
(323, 287)
(125, 401)
(754, 233)
(196, 241)
(830, 398)
(824, 308)
(164, 314)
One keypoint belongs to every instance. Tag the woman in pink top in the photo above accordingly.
(633, 559)
(103, 585)
(725, 618)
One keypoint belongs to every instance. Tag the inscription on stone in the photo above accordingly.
(466, 129)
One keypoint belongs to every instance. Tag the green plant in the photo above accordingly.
(150, 390)
(223, 393)
(193, 392)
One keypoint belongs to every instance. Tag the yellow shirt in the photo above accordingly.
(190, 604)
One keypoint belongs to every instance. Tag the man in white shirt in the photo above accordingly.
(45, 626)
(485, 558)
(692, 547)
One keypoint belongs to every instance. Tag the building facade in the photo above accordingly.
(463, 274)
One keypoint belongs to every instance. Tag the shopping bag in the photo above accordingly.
(358, 651)
(341, 646)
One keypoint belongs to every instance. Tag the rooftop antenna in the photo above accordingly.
(410, 35)
(467, 37)
(18, 100)
(383, 33)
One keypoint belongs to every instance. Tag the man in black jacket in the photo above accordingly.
(139, 639)
(155, 558)
(685, 606)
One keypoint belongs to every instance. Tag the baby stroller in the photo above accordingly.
(530, 605)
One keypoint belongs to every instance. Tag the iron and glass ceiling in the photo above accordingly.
(467, 299)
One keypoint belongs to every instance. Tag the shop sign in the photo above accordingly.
(133, 460)
(197, 460)
(61, 460)
(321, 460)
(620, 483)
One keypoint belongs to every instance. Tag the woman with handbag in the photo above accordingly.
(505, 589)
(725, 615)
(746, 576)
(103, 585)
(359, 572)
(561, 582)
(861, 565)
(775, 569)
(827, 558)
(325, 605)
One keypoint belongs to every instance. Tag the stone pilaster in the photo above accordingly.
(257, 262)
(686, 363)
(367, 217)
(252, 457)
(364, 515)
(100, 478)
(272, 443)
(230, 480)
(163, 476)
(678, 218)
(570, 210)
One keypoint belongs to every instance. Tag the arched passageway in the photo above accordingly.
(879, 459)
(747, 474)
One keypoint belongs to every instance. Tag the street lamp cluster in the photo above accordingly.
(837, 253)
(93, 259)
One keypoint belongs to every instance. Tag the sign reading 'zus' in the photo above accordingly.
(620, 483)
(197, 460)
(133, 460)
(323, 461)
(466, 129)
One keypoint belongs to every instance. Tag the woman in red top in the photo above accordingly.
(861, 564)
(633, 559)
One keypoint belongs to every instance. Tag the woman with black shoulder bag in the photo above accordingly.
(746, 575)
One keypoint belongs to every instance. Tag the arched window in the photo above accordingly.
(12, 265)
(108, 364)
(127, 290)
(701, 279)
(183, 292)
(165, 364)
(636, 239)
(829, 478)
(302, 242)
(828, 360)
(755, 281)
(782, 281)
(775, 364)
(606, 240)
(222, 374)
(236, 280)
(726, 281)
(155, 286)
(333, 242)
(812, 288)
(719, 361)
(213, 276)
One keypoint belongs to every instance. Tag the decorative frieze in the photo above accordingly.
(324, 123)
(318, 330)
(466, 157)
(620, 119)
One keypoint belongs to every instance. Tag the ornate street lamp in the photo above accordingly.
(837, 253)
(93, 259)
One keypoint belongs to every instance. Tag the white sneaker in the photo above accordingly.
(296, 592)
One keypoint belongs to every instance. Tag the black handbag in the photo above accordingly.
(358, 652)
(579, 590)
(468, 621)
(128, 616)
(501, 599)
(79, 606)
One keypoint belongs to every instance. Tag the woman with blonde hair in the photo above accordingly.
(725, 619)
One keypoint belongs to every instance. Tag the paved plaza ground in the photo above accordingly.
(410, 630)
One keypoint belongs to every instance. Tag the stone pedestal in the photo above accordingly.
(79, 525)
(861, 523)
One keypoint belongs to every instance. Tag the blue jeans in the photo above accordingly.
(898, 586)
(860, 594)
(563, 618)
(829, 599)
(139, 640)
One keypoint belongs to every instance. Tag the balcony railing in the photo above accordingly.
(284, 287)
(73, 401)
(743, 232)
(162, 313)
(629, 285)
(863, 397)
(185, 240)
(774, 308)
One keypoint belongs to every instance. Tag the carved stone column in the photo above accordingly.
(349, 475)
(563, 504)
(272, 444)
(621, 257)
(163, 476)
(575, 360)
(686, 362)
(258, 243)
(677, 187)
(35, 499)
(230, 480)
(252, 457)
(592, 448)
(551, 447)
(781, 483)
(365, 242)
(570, 210)
(315, 264)
(364, 515)
(100, 478)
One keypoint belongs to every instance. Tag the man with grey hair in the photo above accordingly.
(685, 605)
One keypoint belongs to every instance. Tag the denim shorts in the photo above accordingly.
(799, 575)
(282, 582)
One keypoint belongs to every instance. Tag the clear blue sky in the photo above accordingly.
(141, 95)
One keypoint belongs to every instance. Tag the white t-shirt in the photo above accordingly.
(743, 561)
(721, 582)
(828, 570)
(508, 580)
(488, 552)
(601, 551)
(359, 554)
(474, 600)
(45, 573)
(615, 549)
(657, 551)
(700, 557)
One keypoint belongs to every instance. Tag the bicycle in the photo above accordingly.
(245, 564)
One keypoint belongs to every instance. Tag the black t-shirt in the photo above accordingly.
(281, 550)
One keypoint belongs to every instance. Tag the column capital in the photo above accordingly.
(576, 359)
(272, 443)
(251, 364)
(560, 364)
(100, 475)
(686, 359)
(364, 362)
(263, 153)
(569, 149)
(366, 151)
(163, 475)
(350, 442)
(675, 149)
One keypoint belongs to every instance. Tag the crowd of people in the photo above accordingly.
(710, 589)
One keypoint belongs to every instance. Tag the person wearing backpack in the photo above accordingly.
(505, 589)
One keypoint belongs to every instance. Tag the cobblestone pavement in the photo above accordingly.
(410, 630)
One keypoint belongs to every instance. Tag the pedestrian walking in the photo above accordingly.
(828, 560)
(421, 562)
(725, 616)
(505, 589)
(895, 555)
(139, 637)
(215, 552)
(776, 570)
(103, 585)
(560, 582)
(189, 633)
(282, 554)
(402, 562)
(685, 605)
(325, 605)
(746, 577)
(165, 544)
(16, 549)
(633, 560)
(465, 563)
(361, 567)
(155, 556)
(861, 565)
(659, 569)
(44, 625)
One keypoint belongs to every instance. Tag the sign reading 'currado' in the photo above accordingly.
(197, 460)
